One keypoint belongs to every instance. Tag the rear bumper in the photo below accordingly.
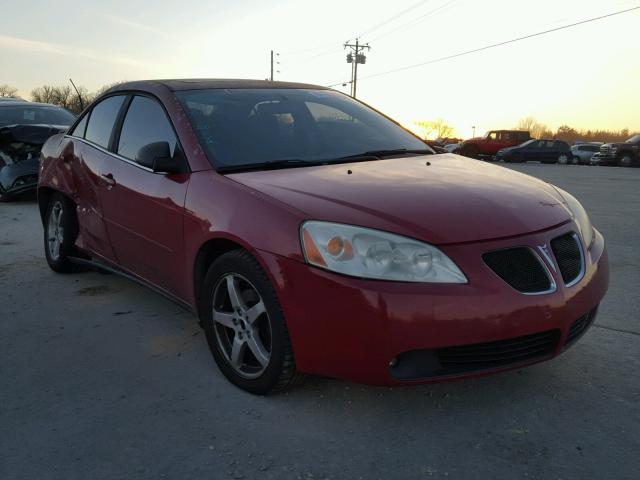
(354, 329)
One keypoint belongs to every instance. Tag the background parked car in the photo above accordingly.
(583, 152)
(24, 127)
(545, 151)
(437, 147)
(493, 141)
(452, 147)
(624, 154)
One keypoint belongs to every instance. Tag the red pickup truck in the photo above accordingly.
(493, 141)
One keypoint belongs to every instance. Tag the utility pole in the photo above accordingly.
(274, 63)
(354, 58)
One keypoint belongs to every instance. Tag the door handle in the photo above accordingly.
(109, 180)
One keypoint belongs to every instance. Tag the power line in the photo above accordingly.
(416, 20)
(322, 52)
(494, 45)
(394, 17)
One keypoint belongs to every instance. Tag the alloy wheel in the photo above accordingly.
(625, 161)
(242, 325)
(55, 230)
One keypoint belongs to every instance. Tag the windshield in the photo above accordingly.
(634, 139)
(240, 127)
(528, 142)
(32, 115)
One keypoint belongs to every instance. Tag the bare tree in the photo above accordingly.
(43, 94)
(537, 129)
(63, 96)
(7, 91)
(438, 128)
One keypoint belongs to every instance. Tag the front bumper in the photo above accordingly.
(355, 329)
(599, 159)
(19, 177)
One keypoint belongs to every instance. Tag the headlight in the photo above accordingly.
(580, 216)
(366, 253)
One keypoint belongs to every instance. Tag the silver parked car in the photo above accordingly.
(583, 152)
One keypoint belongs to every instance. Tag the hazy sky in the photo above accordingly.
(587, 77)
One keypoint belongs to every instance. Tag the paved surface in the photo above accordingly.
(102, 379)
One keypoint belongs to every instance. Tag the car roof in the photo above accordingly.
(211, 83)
(24, 103)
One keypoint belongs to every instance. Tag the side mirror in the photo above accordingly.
(157, 156)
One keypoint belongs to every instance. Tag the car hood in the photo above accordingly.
(437, 198)
(22, 142)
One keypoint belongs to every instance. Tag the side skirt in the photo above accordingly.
(108, 268)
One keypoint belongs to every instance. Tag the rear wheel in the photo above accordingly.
(245, 326)
(60, 232)
(625, 160)
(563, 159)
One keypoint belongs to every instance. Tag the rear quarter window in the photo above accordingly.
(81, 127)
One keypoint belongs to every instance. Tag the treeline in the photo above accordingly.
(572, 135)
(64, 96)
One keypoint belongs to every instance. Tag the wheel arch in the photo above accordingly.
(208, 252)
(44, 196)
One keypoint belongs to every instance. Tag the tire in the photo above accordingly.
(470, 151)
(234, 334)
(575, 160)
(563, 159)
(625, 160)
(60, 233)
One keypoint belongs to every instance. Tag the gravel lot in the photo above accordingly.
(103, 379)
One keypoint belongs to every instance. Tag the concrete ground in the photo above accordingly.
(103, 379)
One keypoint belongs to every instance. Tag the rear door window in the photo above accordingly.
(145, 123)
(102, 120)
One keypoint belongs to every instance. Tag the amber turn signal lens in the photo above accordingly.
(311, 251)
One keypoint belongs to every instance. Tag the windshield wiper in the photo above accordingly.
(268, 165)
(373, 154)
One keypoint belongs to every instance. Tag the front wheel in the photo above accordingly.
(60, 232)
(245, 326)
(563, 159)
(470, 151)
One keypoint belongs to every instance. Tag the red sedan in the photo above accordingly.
(312, 234)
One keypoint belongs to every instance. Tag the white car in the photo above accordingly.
(582, 153)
